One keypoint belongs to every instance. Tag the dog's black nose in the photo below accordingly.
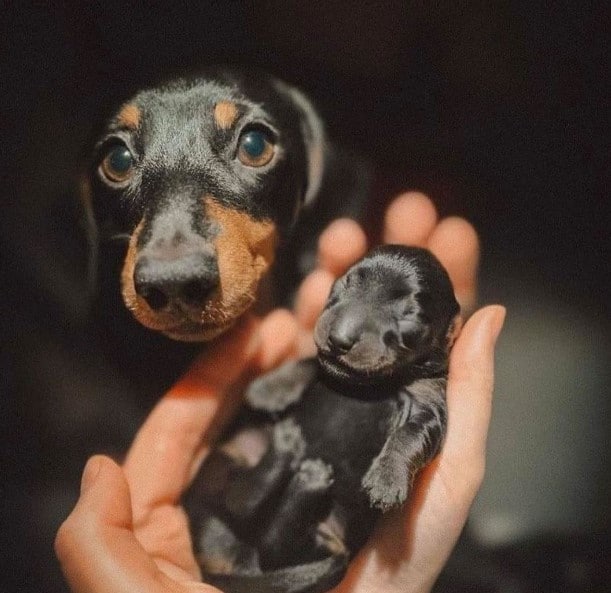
(188, 279)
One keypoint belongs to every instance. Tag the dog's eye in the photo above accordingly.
(118, 164)
(255, 148)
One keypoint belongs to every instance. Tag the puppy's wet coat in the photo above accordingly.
(325, 445)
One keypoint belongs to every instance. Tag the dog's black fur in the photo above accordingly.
(198, 221)
(326, 444)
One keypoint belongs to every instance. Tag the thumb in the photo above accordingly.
(105, 493)
(469, 393)
(96, 547)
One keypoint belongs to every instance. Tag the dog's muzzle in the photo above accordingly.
(184, 281)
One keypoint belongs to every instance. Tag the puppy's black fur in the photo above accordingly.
(207, 183)
(325, 445)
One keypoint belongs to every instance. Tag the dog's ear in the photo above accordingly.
(314, 136)
(338, 184)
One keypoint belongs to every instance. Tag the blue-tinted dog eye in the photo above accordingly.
(256, 148)
(254, 143)
(120, 160)
(118, 164)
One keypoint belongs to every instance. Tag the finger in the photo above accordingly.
(409, 220)
(455, 243)
(158, 464)
(311, 297)
(222, 363)
(278, 335)
(469, 393)
(95, 545)
(341, 244)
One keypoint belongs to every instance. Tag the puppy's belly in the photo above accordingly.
(345, 432)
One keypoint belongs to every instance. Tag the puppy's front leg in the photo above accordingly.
(277, 390)
(415, 438)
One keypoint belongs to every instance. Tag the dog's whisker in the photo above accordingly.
(119, 237)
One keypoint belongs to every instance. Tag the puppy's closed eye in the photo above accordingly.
(412, 332)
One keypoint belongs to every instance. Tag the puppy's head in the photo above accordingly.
(202, 179)
(393, 313)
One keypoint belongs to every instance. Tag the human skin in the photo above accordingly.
(128, 531)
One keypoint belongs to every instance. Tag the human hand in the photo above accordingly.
(128, 531)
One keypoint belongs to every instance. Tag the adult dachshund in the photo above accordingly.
(208, 183)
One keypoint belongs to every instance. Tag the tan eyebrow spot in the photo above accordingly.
(129, 117)
(225, 114)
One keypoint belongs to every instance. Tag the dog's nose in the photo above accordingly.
(341, 339)
(188, 279)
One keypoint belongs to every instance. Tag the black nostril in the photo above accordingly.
(196, 291)
(340, 342)
(155, 297)
(189, 279)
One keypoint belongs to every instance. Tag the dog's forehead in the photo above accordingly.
(197, 101)
(187, 108)
(392, 275)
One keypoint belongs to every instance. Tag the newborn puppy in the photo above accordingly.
(325, 445)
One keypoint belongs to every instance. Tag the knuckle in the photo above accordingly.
(66, 538)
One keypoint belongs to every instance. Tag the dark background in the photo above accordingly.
(497, 111)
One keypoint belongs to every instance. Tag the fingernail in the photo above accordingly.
(90, 473)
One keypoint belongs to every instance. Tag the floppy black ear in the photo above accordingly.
(313, 131)
(338, 184)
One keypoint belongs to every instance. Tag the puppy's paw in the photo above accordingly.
(386, 486)
(287, 439)
(278, 389)
(221, 552)
(315, 474)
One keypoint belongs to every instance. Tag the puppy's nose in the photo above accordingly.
(341, 339)
(188, 279)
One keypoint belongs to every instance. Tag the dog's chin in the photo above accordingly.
(185, 329)
(201, 325)
(197, 332)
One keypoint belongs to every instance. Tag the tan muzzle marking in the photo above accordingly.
(245, 250)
